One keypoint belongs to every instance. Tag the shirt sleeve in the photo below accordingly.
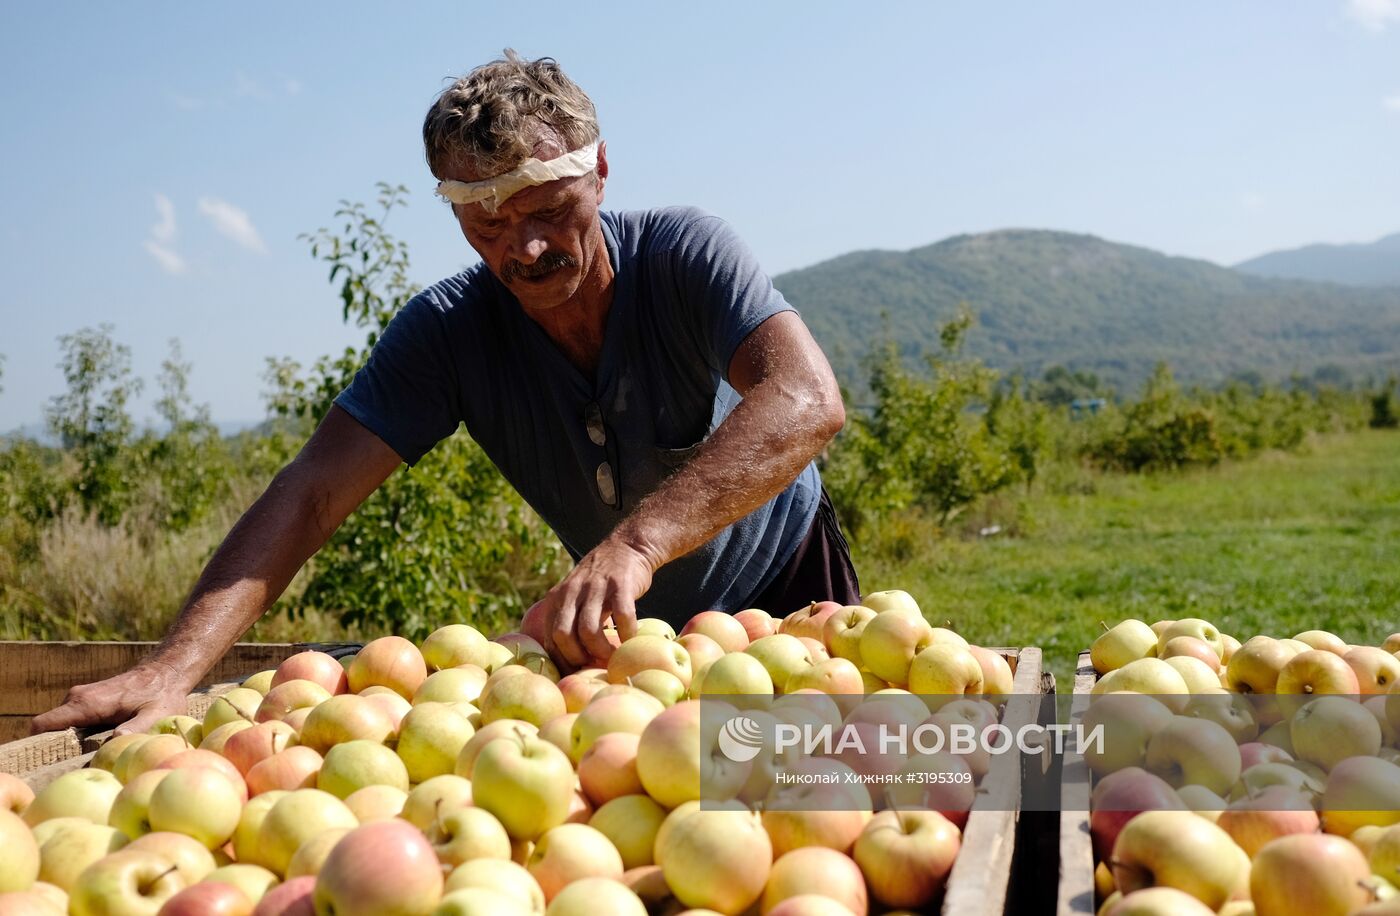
(406, 393)
(726, 293)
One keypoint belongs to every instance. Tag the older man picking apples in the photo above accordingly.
(634, 375)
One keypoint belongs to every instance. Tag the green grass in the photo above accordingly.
(1276, 544)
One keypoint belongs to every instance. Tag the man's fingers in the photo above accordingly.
(624, 615)
(141, 722)
(563, 629)
(56, 720)
(81, 707)
(590, 625)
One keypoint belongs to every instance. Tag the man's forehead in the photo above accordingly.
(537, 198)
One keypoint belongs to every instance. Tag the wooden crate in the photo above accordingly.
(1076, 886)
(40, 759)
(1000, 868)
(997, 869)
(35, 676)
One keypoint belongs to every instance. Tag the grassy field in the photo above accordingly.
(1277, 544)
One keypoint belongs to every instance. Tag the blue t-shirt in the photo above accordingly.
(687, 292)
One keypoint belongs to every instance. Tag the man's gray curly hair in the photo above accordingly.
(490, 119)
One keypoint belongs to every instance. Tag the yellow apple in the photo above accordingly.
(587, 896)
(1329, 729)
(1316, 875)
(452, 645)
(19, 868)
(508, 878)
(906, 855)
(389, 661)
(1256, 665)
(716, 859)
(1321, 639)
(1147, 676)
(129, 881)
(570, 852)
(890, 642)
(1376, 669)
(295, 818)
(1126, 642)
(526, 782)
(85, 793)
(630, 823)
(816, 870)
(892, 600)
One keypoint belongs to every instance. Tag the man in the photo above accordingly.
(634, 375)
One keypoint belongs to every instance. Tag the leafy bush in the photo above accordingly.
(1162, 430)
(1383, 412)
(920, 445)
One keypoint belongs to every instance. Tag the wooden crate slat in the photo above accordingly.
(12, 728)
(26, 754)
(1076, 891)
(35, 676)
(981, 876)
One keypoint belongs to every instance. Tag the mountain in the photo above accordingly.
(1044, 298)
(1376, 264)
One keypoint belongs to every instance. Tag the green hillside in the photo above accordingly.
(1374, 264)
(1044, 298)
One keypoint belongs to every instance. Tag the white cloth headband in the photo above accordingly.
(492, 192)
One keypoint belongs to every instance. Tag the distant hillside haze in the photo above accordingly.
(1374, 264)
(1045, 298)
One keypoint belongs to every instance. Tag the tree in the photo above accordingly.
(190, 467)
(91, 417)
(925, 442)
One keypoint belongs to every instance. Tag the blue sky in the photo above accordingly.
(160, 159)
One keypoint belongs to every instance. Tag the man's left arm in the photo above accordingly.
(791, 408)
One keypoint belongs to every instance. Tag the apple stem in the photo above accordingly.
(1104, 625)
(157, 879)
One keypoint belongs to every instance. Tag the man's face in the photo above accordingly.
(543, 241)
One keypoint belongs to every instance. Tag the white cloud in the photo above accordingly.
(1392, 103)
(169, 261)
(232, 222)
(245, 86)
(1375, 15)
(185, 102)
(164, 231)
(158, 245)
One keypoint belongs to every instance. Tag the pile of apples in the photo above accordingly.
(466, 776)
(1260, 779)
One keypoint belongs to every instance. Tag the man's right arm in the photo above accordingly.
(337, 469)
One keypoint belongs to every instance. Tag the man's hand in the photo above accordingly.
(605, 584)
(133, 701)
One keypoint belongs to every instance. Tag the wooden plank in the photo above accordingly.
(1075, 896)
(12, 728)
(981, 876)
(36, 676)
(1035, 864)
(28, 754)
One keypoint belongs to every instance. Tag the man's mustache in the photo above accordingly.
(547, 263)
